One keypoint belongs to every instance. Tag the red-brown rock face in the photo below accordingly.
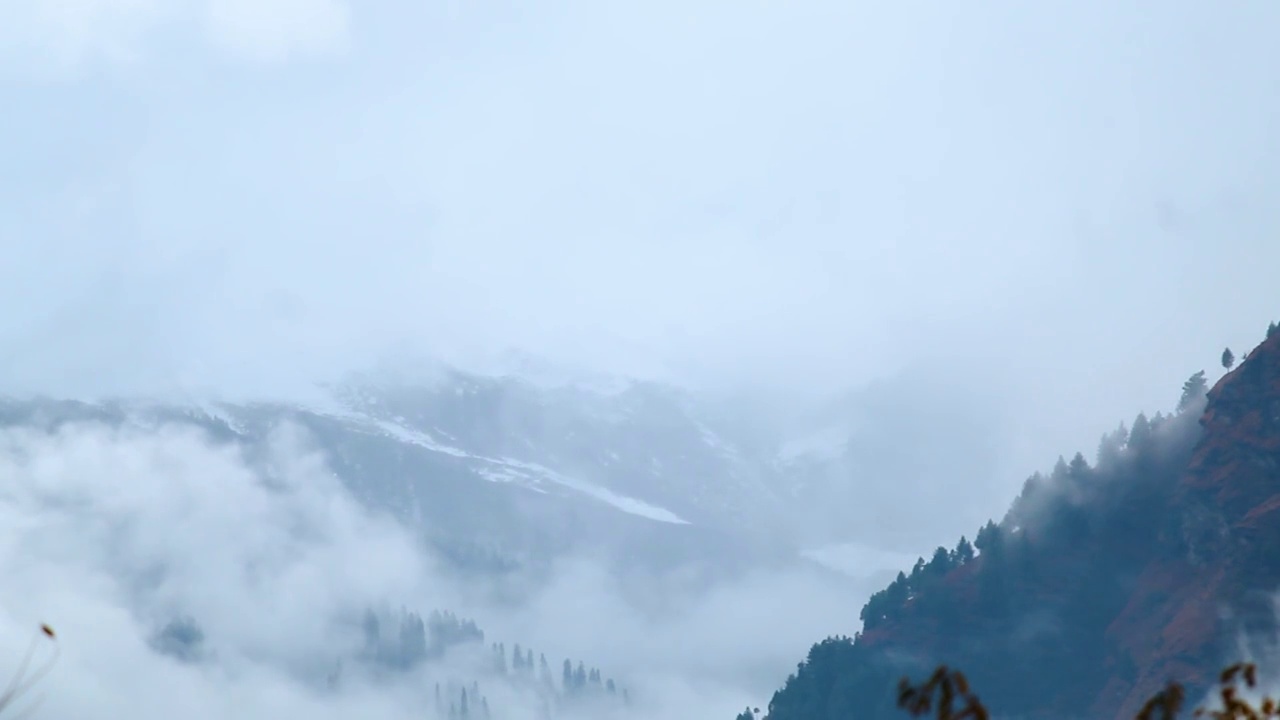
(1228, 560)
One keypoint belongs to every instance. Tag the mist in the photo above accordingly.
(112, 535)
(795, 198)
(926, 249)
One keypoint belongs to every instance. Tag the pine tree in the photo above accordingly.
(898, 592)
(499, 659)
(964, 551)
(1192, 390)
(1079, 467)
(1140, 436)
(1060, 472)
(991, 542)
(1110, 446)
(1028, 498)
(983, 539)
(939, 564)
(1228, 358)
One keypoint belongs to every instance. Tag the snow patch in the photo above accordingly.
(717, 443)
(509, 475)
(621, 502)
(504, 470)
(419, 438)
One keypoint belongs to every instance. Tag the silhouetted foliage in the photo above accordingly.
(947, 694)
(951, 687)
(1228, 358)
(22, 682)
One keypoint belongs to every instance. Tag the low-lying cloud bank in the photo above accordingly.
(186, 579)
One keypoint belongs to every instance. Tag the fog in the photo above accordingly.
(1069, 202)
(1021, 223)
(110, 535)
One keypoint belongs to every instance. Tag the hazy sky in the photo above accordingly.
(1076, 201)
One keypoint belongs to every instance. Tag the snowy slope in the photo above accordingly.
(493, 469)
(543, 461)
(638, 447)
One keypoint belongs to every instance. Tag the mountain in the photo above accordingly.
(1160, 561)
(522, 460)
(495, 472)
(506, 471)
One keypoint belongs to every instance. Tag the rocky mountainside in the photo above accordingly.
(515, 465)
(1160, 561)
(505, 470)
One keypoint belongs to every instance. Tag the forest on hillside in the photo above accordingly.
(1041, 588)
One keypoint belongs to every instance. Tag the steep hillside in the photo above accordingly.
(1100, 584)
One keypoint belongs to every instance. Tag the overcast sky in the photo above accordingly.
(1075, 201)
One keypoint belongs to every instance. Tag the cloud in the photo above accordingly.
(794, 197)
(61, 37)
(135, 543)
(112, 534)
(269, 30)
(69, 33)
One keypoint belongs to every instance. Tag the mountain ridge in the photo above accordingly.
(498, 471)
(1101, 583)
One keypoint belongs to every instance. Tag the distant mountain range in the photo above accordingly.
(515, 465)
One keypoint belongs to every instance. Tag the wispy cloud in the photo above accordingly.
(68, 38)
(111, 535)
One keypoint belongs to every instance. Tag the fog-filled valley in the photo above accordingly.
(198, 571)
(585, 360)
(456, 544)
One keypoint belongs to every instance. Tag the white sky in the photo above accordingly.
(1071, 204)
